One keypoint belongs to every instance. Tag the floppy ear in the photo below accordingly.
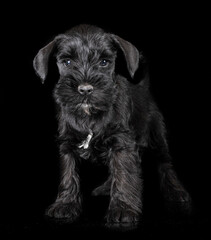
(131, 54)
(40, 62)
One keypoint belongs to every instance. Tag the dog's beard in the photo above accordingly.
(100, 100)
(78, 105)
(93, 106)
(85, 107)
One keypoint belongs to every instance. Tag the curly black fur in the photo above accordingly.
(120, 118)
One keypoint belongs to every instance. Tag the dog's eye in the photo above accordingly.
(67, 62)
(104, 63)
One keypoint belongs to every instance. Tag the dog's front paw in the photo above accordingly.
(64, 210)
(121, 215)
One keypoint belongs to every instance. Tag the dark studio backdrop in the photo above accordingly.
(174, 40)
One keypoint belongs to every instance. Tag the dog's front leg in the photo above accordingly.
(125, 203)
(68, 201)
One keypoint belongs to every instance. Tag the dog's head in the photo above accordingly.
(86, 57)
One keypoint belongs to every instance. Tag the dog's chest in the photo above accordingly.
(93, 148)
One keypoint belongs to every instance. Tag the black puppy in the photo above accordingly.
(104, 117)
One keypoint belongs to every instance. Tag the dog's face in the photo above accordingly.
(86, 57)
(86, 64)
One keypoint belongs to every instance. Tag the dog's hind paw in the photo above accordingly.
(179, 195)
(101, 191)
(60, 210)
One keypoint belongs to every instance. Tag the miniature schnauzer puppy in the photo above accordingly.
(104, 116)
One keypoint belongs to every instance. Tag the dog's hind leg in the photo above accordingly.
(104, 189)
(170, 185)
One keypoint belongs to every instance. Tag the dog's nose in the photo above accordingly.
(85, 89)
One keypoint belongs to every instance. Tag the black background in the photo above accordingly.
(175, 41)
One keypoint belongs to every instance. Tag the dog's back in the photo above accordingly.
(144, 110)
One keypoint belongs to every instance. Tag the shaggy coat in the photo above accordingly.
(104, 116)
